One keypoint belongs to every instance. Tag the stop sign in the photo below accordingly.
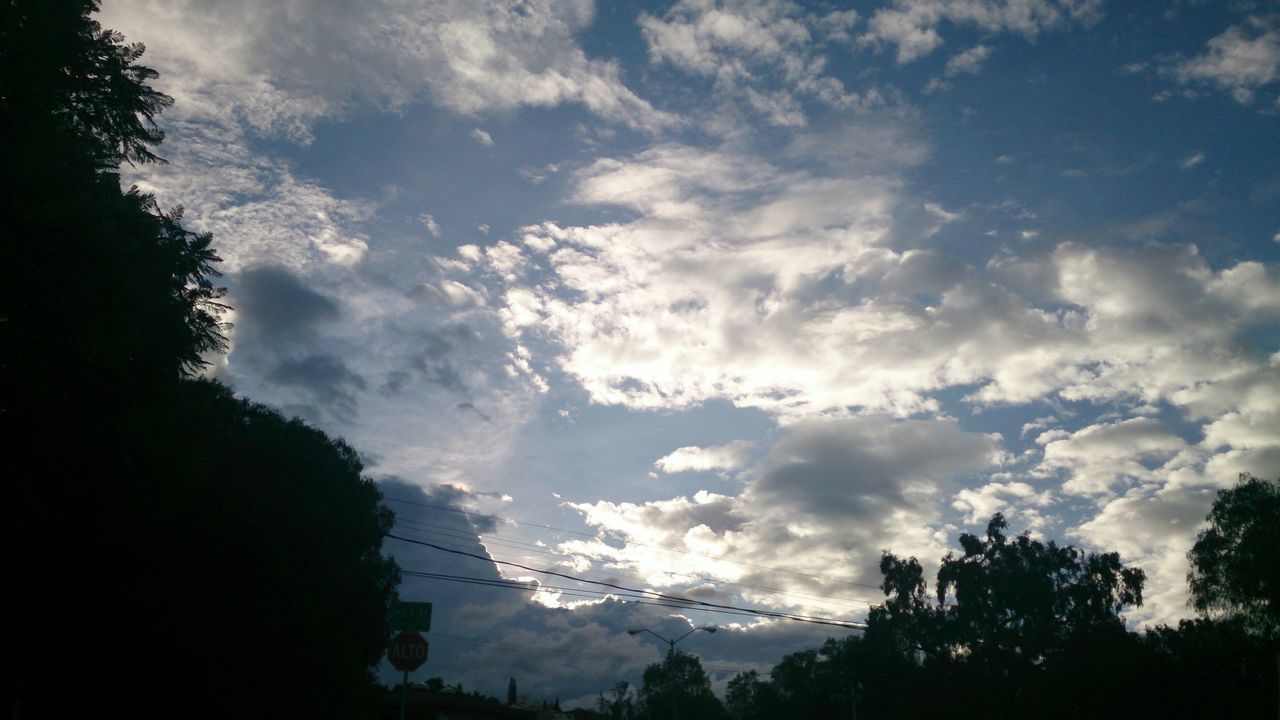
(407, 651)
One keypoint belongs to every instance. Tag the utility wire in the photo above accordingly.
(512, 543)
(648, 595)
(626, 599)
(674, 598)
(596, 536)
(574, 592)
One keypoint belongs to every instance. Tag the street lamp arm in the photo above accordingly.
(644, 630)
(694, 630)
(672, 643)
(671, 655)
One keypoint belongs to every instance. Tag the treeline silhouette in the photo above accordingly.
(168, 548)
(1018, 628)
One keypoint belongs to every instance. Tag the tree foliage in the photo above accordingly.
(619, 703)
(1004, 601)
(205, 555)
(1018, 628)
(100, 279)
(678, 685)
(1019, 598)
(69, 77)
(1235, 563)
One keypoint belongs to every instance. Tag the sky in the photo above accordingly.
(724, 299)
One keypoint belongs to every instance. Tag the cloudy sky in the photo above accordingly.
(724, 299)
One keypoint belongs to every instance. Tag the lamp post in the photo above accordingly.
(671, 653)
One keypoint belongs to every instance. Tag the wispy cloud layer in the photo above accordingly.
(912, 26)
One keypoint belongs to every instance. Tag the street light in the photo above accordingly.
(671, 652)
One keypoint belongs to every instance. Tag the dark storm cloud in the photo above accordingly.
(323, 379)
(273, 305)
(442, 351)
(861, 468)
(437, 504)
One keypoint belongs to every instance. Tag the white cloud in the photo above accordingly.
(777, 289)
(1099, 456)
(482, 137)
(1153, 528)
(716, 457)
(942, 217)
(748, 46)
(828, 498)
(257, 208)
(239, 69)
(968, 62)
(1239, 61)
(258, 62)
(1017, 500)
(429, 222)
(697, 35)
(1191, 161)
(459, 295)
(912, 25)
(1154, 523)
(708, 294)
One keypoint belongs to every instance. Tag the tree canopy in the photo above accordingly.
(1235, 563)
(1018, 627)
(1004, 600)
(204, 554)
(678, 687)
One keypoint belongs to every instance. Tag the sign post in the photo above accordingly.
(408, 650)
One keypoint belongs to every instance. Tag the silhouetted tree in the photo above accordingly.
(1205, 668)
(748, 697)
(1235, 563)
(1020, 598)
(1004, 610)
(678, 687)
(206, 555)
(619, 702)
(1019, 628)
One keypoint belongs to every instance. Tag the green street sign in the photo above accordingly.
(411, 616)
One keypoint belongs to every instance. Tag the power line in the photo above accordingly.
(512, 543)
(596, 536)
(572, 592)
(598, 595)
(675, 598)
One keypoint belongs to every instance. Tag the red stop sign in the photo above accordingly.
(407, 651)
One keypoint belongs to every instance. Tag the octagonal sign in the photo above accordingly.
(407, 651)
